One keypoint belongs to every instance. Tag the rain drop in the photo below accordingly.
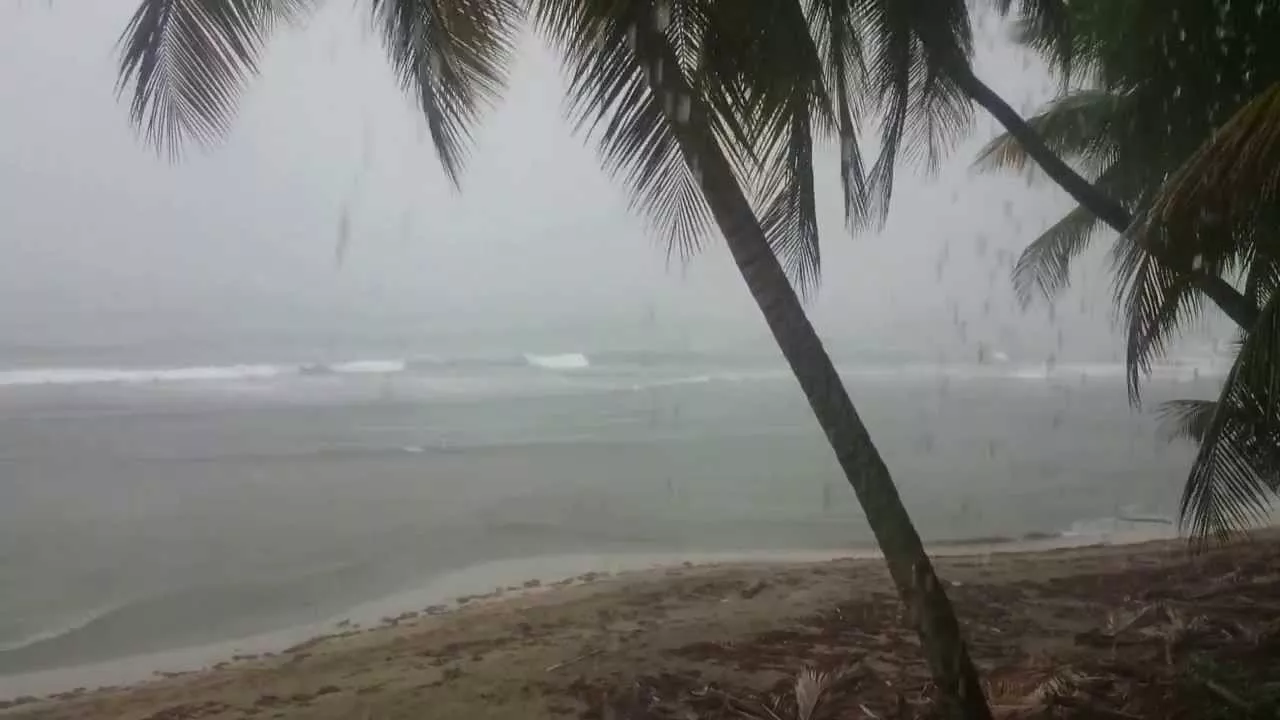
(684, 106)
(662, 15)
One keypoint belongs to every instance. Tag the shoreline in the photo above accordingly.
(486, 582)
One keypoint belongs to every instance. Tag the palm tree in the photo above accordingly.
(1124, 46)
(686, 98)
(1230, 188)
(1152, 100)
(1160, 78)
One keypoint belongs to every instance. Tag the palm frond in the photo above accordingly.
(790, 217)
(1263, 277)
(924, 112)
(941, 113)
(1236, 472)
(1230, 181)
(611, 100)
(1045, 264)
(836, 33)
(1079, 126)
(889, 80)
(1189, 419)
(811, 686)
(187, 62)
(1045, 26)
(1155, 301)
(452, 57)
(789, 100)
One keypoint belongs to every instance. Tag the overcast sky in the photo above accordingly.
(100, 236)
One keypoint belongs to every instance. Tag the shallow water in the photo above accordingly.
(177, 508)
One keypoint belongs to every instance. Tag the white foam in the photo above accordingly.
(1175, 369)
(57, 631)
(83, 376)
(564, 361)
(200, 373)
(374, 367)
(1128, 521)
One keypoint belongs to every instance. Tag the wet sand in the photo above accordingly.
(699, 638)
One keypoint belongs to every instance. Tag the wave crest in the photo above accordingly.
(564, 361)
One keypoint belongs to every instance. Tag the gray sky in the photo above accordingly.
(101, 237)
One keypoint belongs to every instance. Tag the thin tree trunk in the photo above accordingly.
(909, 565)
(1222, 293)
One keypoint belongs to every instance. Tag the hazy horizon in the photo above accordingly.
(107, 243)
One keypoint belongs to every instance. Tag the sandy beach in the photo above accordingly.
(708, 640)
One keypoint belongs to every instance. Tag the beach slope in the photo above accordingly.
(1128, 628)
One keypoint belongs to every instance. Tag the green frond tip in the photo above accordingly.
(187, 61)
(453, 58)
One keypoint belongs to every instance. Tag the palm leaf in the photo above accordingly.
(1155, 302)
(1045, 264)
(941, 111)
(1079, 126)
(889, 80)
(1045, 26)
(788, 100)
(611, 100)
(790, 217)
(1229, 182)
(836, 34)
(1189, 419)
(924, 111)
(1234, 476)
(453, 58)
(1263, 278)
(187, 62)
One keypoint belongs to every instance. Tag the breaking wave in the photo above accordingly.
(566, 361)
(650, 369)
(91, 375)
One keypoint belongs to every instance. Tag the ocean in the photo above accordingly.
(145, 508)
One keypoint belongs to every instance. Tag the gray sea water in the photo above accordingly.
(145, 508)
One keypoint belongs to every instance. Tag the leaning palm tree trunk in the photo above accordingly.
(909, 564)
(1236, 306)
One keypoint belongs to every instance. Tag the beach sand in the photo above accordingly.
(706, 641)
